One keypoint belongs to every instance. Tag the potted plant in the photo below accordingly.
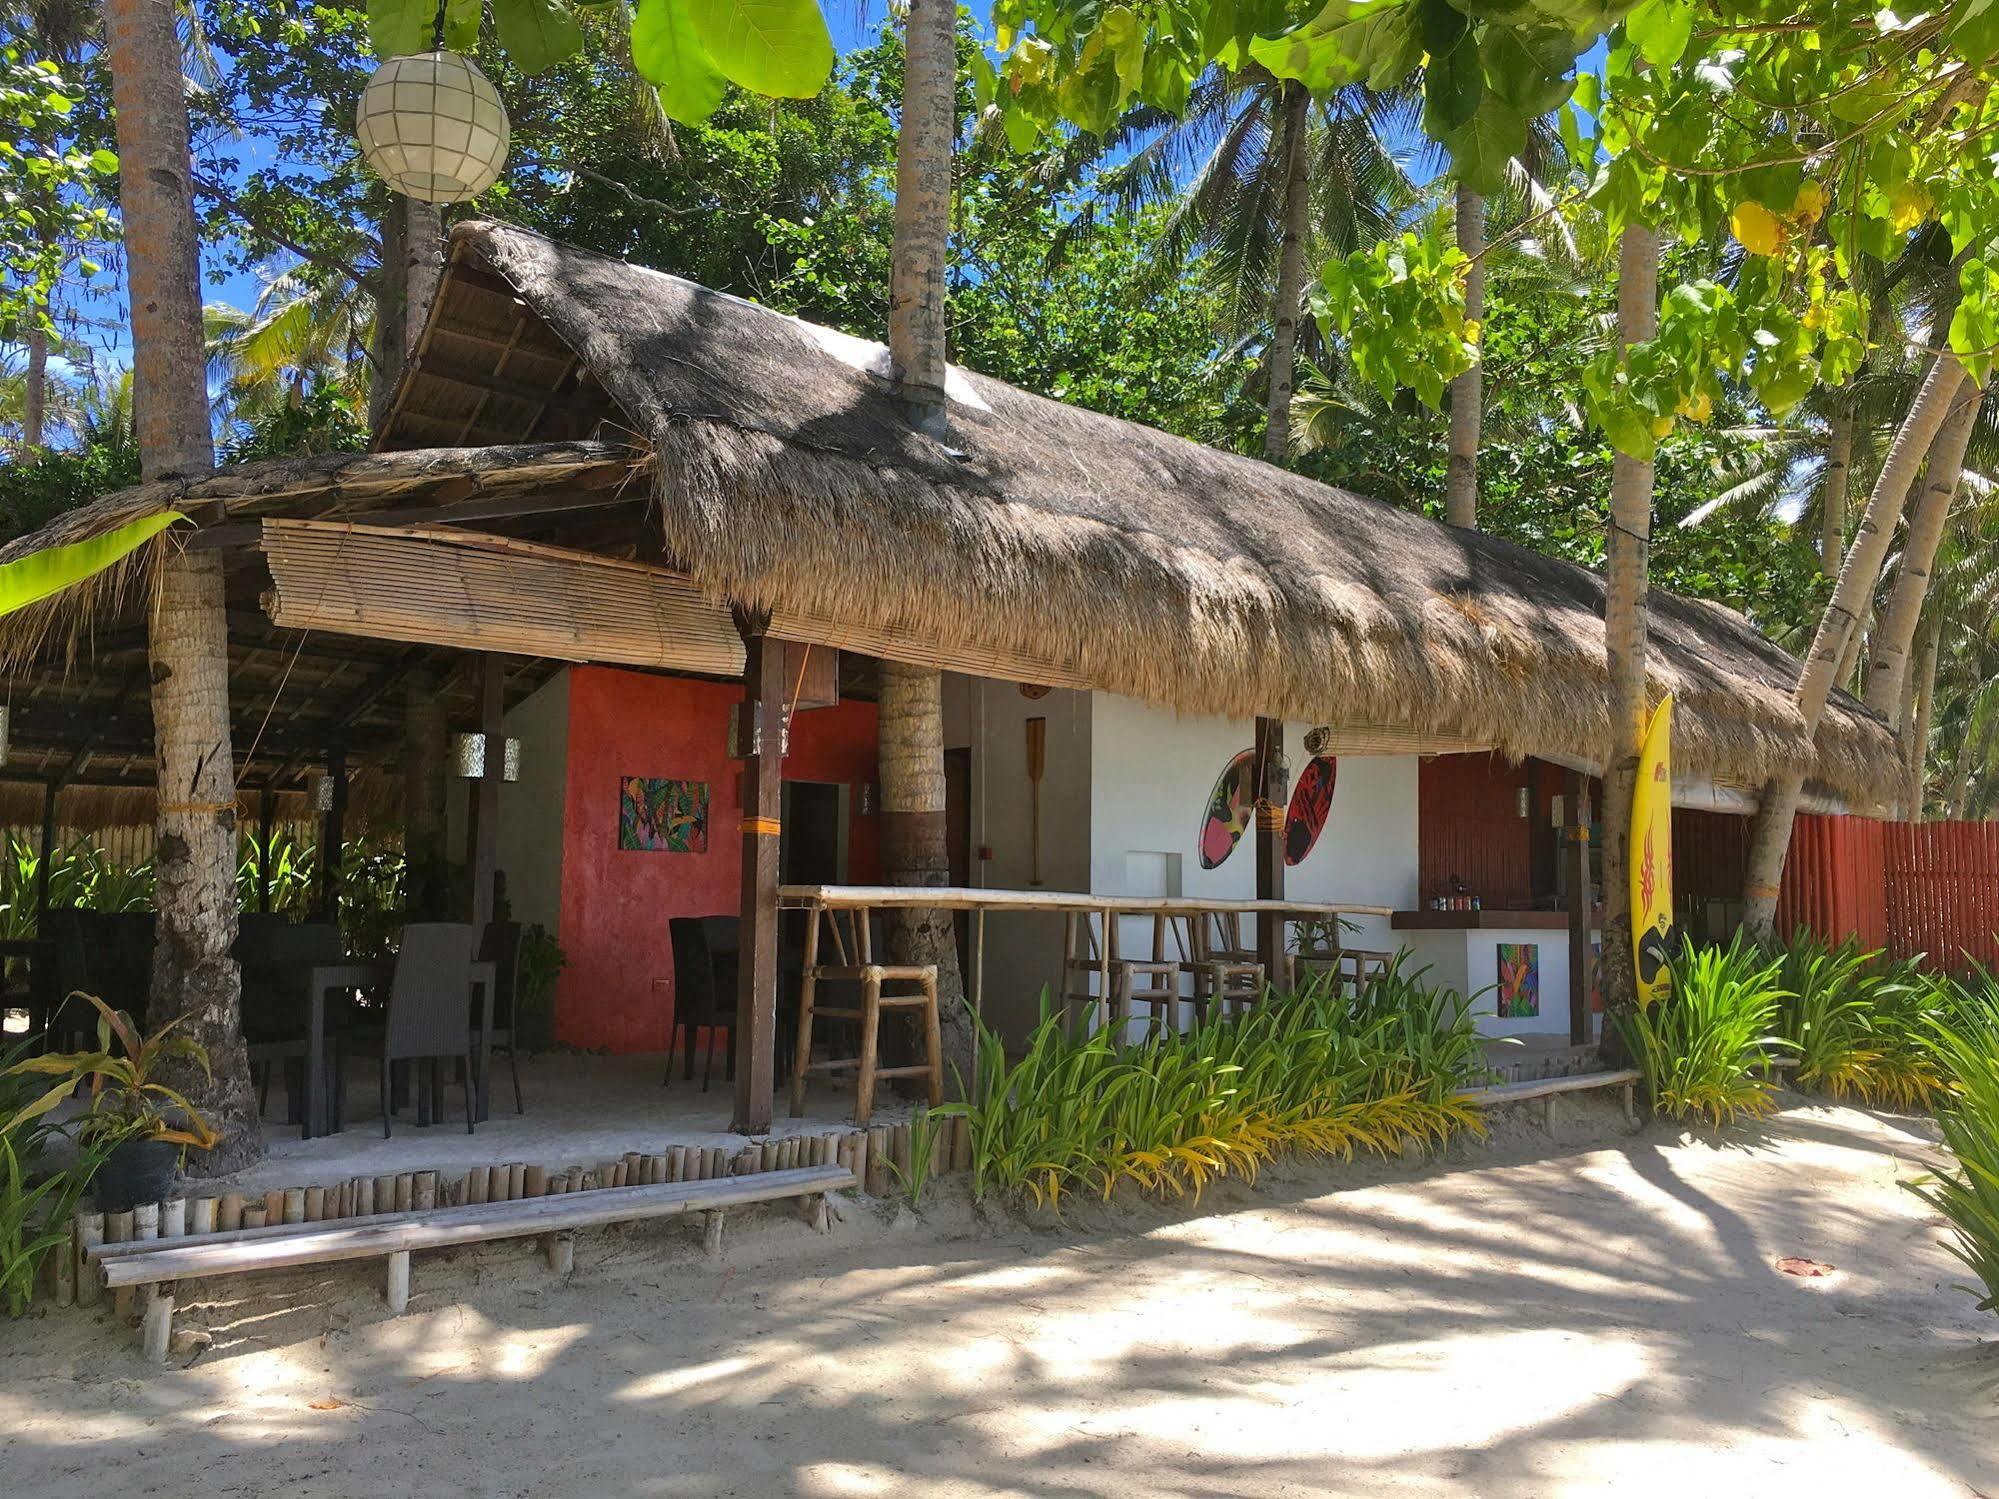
(129, 1106)
(542, 958)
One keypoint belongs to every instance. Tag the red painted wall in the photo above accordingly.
(616, 991)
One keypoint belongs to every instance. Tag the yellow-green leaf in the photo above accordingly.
(669, 56)
(30, 579)
(775, 47)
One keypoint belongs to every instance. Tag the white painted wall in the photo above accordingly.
(530, 843)
(1468, 961)
(1023, 952)
(531, 808)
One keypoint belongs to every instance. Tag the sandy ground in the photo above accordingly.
(1541, 1317)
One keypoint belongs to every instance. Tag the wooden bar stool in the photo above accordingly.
(1227, 974)
(858, 966)
(1153, 982)
(1086, 956)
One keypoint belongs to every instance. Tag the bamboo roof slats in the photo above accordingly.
(478, 592)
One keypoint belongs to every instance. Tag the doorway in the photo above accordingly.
(813, 849)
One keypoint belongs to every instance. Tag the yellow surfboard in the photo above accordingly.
(1652, 856)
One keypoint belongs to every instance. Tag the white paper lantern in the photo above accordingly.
(432, 126)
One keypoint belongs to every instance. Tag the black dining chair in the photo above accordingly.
(428, 1019)
(277, 957)
(501, 946)
(704, 990)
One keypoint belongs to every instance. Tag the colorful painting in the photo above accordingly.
(662, 816)
(1311, 802)
(1231, 805)
(1519, 980)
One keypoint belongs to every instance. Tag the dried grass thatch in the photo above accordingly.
(321, 484)
(789, 478)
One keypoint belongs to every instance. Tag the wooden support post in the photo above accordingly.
(201, 1215)
(763, 771)
(876, 1181)
(265, 809)
(253, 1215)
(405, 1190)
(173, 1218)
(399, 1281)
(294, 1205)
(315, 1204)
(818, 1214)
(159, 1327)
(65, 1268)
(561, 1251)
(423, 1193)
(229, 1213)
(332, 836)
(482, 825)
(476, 1182)
(1272, 796)
(42, 869)
(89, 1234)
(1575, 850)
(711, 1231)
(274, 1205)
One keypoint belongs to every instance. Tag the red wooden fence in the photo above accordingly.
(1942, 891)
(1929, 887)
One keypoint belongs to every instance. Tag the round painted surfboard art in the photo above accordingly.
(1231, 805)
(1311, 801)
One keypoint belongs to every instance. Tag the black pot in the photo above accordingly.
(136, 1171)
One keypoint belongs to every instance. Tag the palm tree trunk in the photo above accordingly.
(1771, 841)
(1895, 631)
(1959, 804)
(1916, 736)
(1627, 548)
(35, 391)
(195, 867)
(1468, 390)
(910, 724)
(1294, 117)
(916, 327)
(911, 736)
(1833, 485)
(412, 265)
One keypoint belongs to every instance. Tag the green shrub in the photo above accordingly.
(1861, 1023)
(36, 1204)
(1704, 1046)
(1967, 1045)
(1312, 1071)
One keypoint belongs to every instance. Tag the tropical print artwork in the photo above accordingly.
(662, 816)
(1231, 805)
(1519, 980)
(1311, 802)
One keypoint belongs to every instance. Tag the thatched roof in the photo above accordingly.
(789, 478)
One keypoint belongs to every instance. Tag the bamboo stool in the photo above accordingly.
(1085, 957)
(859, 966)
(1227, 974)
(1153, 982)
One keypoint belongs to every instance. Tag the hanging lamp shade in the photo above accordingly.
(432, 127)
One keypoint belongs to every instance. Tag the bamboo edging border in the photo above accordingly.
(879, 1158)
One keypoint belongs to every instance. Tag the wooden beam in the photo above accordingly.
(505, 386)
(1271, 798)
(1575, 850)
(332, 834)
(457, 512)
(482, 853)
(756, 961)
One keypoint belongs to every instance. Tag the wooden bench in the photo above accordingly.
(159, 1263)
(1546, 1088)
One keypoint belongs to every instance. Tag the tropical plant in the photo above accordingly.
(915, 1178)
(1704, 1047)
(35, 1204)
(1314, 1071)
(1860, 1023)
(1967, 1194)
(127, 1098)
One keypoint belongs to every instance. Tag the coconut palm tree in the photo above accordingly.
(194, 976)
(1627, 543)
(1262, 182)
(911, 719)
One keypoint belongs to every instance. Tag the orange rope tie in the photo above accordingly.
(762, 827)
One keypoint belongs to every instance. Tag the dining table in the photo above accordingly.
(328, 979)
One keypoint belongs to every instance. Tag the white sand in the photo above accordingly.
(1537, 1319)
